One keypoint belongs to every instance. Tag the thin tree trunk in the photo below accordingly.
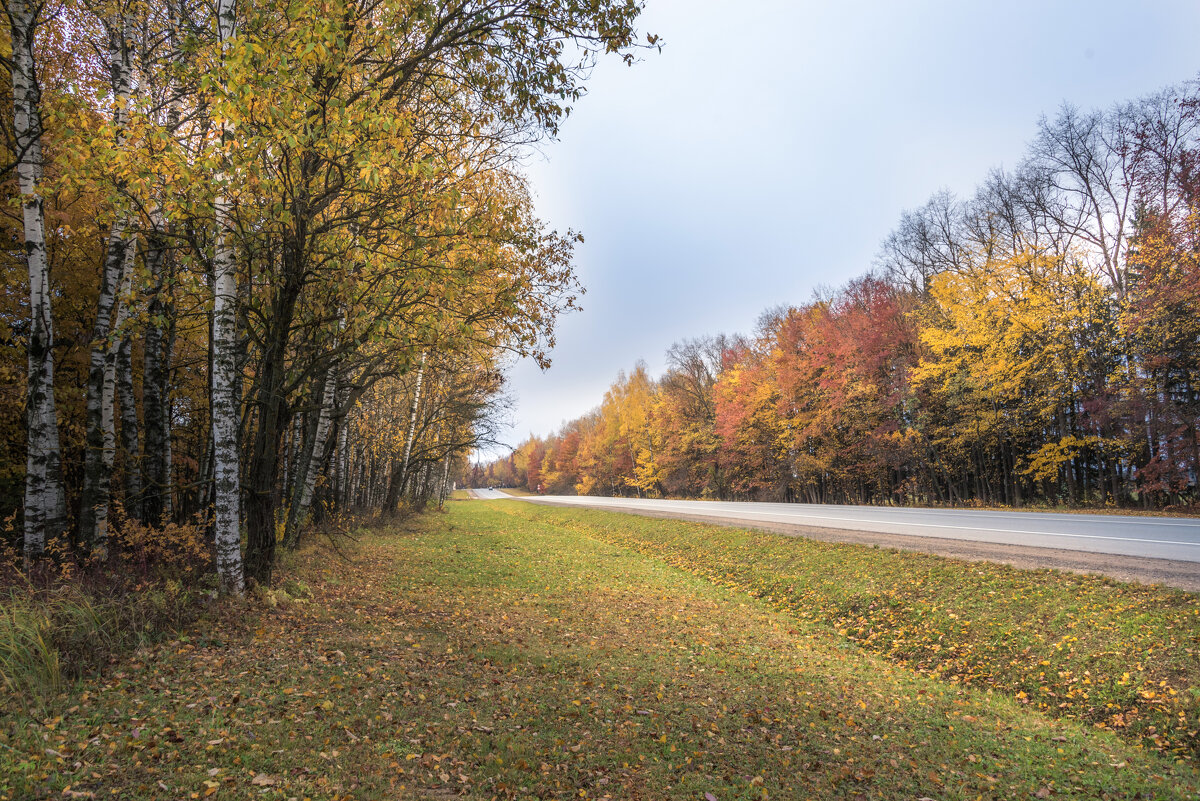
(155, 465)
(445, 480)
(396, 491)
(160, 336)
(97, 471)
(98, 541)
(225, 403)
(310, 466)
(130, 446)
(156, 489)
(291, 459)
(98, 459)
(358, 479)
(45, 507)
(342, 456)
(168, 490)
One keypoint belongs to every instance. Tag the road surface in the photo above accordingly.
(1119, 545)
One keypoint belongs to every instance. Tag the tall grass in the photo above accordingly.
(70, 618)
(30, 668)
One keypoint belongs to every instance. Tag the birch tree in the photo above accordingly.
(45, 504)
(160, 262)
(97, 472)
(225, 401)
(312, 461)
(399, 480)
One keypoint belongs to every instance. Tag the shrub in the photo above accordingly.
(69, 617)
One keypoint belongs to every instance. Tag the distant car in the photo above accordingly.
(491, 488)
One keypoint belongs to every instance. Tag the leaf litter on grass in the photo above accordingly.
(1117, 656)
(513, 659)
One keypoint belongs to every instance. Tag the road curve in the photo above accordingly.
(1171, 538)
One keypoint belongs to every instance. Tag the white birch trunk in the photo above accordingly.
(343, 462)
(108, 390)
(168, 500)
(412, 426)
(98, 460)
(226, 489)
(130, 439)
(156, 487)
(445, 480)
(102, 463)
(309, 470)
(44, 505)
(357, 478)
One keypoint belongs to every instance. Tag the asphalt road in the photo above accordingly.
(1169, 538)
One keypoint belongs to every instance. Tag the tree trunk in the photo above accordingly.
(102, 483)
(445, 480)
(156, 415)
(291, 459)
(45, 507)
(310, 465)
(98, 460)
(342, 457)
(130, 447)
(97, 466)
(396, 490)
(272, 419)
(225, 403)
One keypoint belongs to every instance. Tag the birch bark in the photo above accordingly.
(396, 489)
(45, 510)
(156, 390)
(108, 453)
(98, 459)
(445, 480)
(131, 459)
(310, 466)
(343, 462)
(226, 490)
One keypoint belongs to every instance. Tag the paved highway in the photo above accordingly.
(1175, 538)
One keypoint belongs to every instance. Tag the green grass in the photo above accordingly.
(30, 666)
(505, 651)
(1115, 655)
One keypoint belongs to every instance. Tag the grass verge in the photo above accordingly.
(495, 652)
(1119, 656)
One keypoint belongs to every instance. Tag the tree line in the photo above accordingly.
(1037, 341)
(267, 259)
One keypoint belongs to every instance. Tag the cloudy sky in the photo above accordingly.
(772, 145)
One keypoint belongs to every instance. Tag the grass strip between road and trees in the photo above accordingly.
(504, 650)
(1115, 655)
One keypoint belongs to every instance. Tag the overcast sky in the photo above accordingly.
(772, 145)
